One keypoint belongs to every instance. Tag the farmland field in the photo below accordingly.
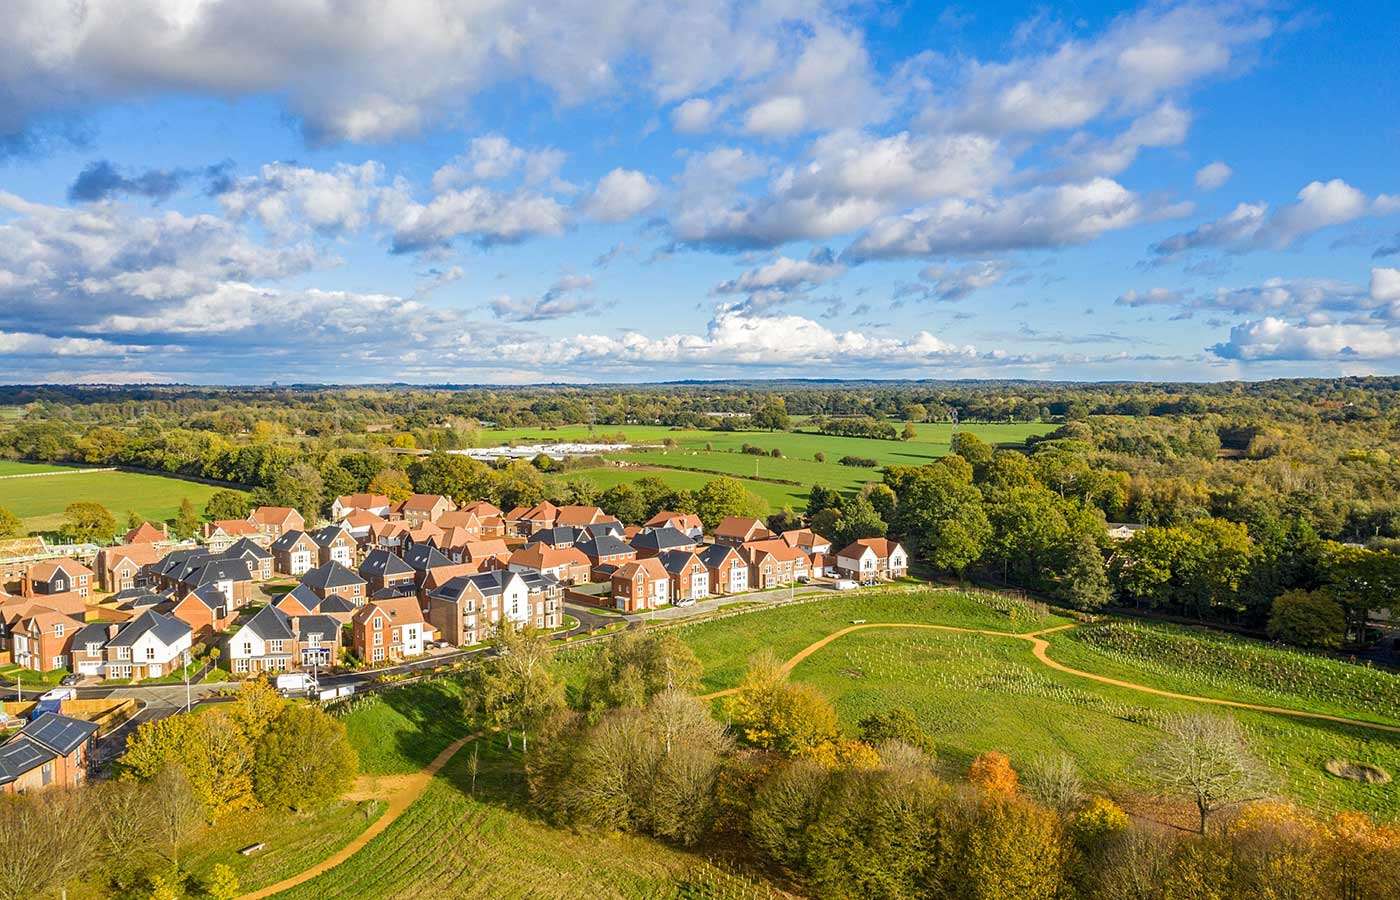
(11, 467)
(39, 502)
(714, 453)
(976, 692)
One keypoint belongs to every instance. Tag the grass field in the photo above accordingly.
(777, 495)
(713, 453)
(12, 467)
(976, 693)
(39, 502)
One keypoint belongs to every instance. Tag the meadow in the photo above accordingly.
(40, 501)
(783, 481)
(979, 692)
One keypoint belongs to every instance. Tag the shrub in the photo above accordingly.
(863, 462)
(1307, 618)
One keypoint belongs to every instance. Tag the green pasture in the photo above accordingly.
(40, 502)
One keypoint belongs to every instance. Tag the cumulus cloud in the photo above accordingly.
(830, 84)
(1047, 216)
(1273, 338)
(1251, 226)
(370, 72)
(1140, 59)
(287, 198)
(783, 279)
(620, 195)
(950, 283)
(1213, 175)
(694, 115)
(492, 157)
(1385, 285)
(1165, 126)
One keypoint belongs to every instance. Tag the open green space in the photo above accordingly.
(713, 453)
(14, 467)
(40, 502)
(982, 692)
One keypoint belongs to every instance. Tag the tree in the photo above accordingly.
(1307, 618)
(1054, 781)
(46, 839)
(391, 483)
(1012, 850)
(972, 448)
(856, 519)
(162, 889)
(578, 491)
(772, 416)
(10, 524)
(173, 807)
(773, 714)
(304, 759)
(187, 521)
(518, 686)
(298, 485)
(222, 884)
(226, 504)
(629, 671)
(939, 516)
(1205, 759)
(992, 772)
(909, 433)
(897, 723)
(87, 522)
(822, 498)
(915, 412)
(625, 502)
(723, 497)
(1084, 582)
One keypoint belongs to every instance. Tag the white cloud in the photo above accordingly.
(1249, 226)
(1165, 126)
(374, 71)
(287, 198)
(620, 195)
(956, 282)
(1041, 217)
(1213, 175)
(1272, 338)
(1138, 60)
(694, 115)
(777, 116)
(562, 299)
(1385, 285)
(782, 280)
(476, 213)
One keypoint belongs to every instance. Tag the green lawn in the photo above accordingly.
(401, 730)
(798, 463)
(13, 467)
(976, 693)
(777, 495)
(40, 501)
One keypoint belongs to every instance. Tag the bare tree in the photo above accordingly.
(519, 686)
(1207, 760)
(45, 840)
(1054, 781)
(174, 808)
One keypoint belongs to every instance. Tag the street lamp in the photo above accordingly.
(188, 705)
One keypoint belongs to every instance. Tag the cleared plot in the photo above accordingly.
(40, 501)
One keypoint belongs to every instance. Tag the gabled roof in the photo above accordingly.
(230, 527)
(362, 518)
(677, 561)
(601, 527)
(559, 534)
(243, 548)
(543, 556)
(145, 533)
(775, 548)
(93, 633)
(482, 508)
(301, 594)
(324, 537)
(137, 597)
(363, 501)
(579, 515)
(335, 604)
(325, 626)
(740, 527)
(715, 555)
(403, 611)
(209, 595)
(382, 564)
(331, 575)
(662, 539)
(805, 538)
(421, 557)
(681, 521)
(607, 545)
(882, 547)
(478, 550)
(272, 515)
(458, 518)
(541, 511)
(290, 539)
(425, 502)
(651, 566)
(21, 754)
(490, 584)
(46, 570)
(218, 568)
(60, 733)
(270, 624)
(165, 629)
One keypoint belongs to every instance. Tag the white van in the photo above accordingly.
(60, 693)
(295, 683)
(846, 584)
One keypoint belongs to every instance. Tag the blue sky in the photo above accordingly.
(438, 191)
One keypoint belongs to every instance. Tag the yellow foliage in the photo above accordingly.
(847, 754)
(1097, 819)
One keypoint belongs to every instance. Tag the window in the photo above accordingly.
(240, 665)
(379, 639)
(93, 649)
(377, 655)
(123, 653)
(150, 653)
(60, 661)
(247, 648)
(58, 629)
(277, 646)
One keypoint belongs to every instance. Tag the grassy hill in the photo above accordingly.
(40, 501)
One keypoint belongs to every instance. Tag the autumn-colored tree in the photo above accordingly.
(518, 687)
(1097, 820)
(992, 772)
(773, 714)
(1361, 858)
(187, 520)
(10, 524)
(160, 889)
(304, 759)
(87, 522)
(222, 884)
(392, 483)
(1274, 851)
(1012, 850)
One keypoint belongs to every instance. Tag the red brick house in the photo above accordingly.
(420, 509)
(735, 531)
(221, 534)
(522, 522)
(687, 523)
(127, 566)
(146, 533)
(334, 580)
(384, 630)
(468, 609)
(40, 639)
(275, 521)
(690, 580)
(382, 569)
(569, 564)
(579, 516)
(376, 504)
(773, 563)
(51, 751)
(817, 548)
(58, 576)
(641, 585)
(294, 553)
(729, 571)
(205, 609)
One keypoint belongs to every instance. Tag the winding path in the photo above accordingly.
(400, 791)
(1040, 648)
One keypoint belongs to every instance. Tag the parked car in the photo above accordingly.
(832, 572)
(68, 680)
(685, 602)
